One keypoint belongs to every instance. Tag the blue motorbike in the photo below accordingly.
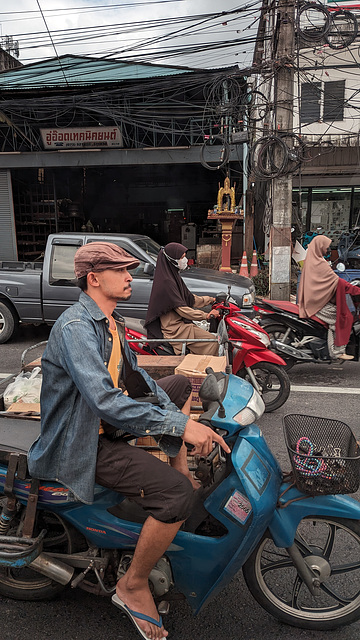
(296, 537)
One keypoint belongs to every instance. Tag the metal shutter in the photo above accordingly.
(310, 102)
(334, 94)
(8, 250)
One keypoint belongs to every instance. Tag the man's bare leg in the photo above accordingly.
(133, 588)
(180, 461)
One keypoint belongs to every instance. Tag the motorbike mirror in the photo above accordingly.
(209, 391)
(341, 267)
(149, 269)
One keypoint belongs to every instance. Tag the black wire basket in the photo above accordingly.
(324, 455)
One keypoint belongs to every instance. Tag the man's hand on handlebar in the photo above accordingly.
(202, 438)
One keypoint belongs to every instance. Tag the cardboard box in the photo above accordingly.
(32, 409)
(193, 367)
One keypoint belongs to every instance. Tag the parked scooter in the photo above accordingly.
(300, 554)
(300, 340)
(249, 354)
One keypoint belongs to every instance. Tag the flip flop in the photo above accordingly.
(135, 614)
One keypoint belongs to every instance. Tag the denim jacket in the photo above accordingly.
(77, 392)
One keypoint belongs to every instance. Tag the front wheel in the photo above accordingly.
(273, 381)
(331, 547)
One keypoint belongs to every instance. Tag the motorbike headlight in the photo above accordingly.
(264, 338)
(253, 410)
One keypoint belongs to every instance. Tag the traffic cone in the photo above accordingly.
(254, 266)
(244, 270)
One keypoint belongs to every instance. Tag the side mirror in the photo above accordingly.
(209, 391)
(340, 267)
(149, 269)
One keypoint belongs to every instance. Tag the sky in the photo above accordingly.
(173, 32)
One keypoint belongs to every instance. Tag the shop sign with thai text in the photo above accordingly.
(81, 137)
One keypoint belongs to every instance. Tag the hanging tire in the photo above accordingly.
(332, 548)
(26, 584)
(277, 332)
(8, 323)
(273, 381)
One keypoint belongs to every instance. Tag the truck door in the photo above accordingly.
(60, 290)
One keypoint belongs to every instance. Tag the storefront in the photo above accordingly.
(331, 210)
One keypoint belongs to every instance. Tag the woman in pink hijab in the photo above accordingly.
(323, 294)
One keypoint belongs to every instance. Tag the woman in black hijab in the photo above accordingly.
(173, 308)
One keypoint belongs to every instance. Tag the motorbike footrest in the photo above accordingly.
(20, 552)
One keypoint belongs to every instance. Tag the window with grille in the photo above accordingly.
(334, 95)
(322, 101)
(310, 101)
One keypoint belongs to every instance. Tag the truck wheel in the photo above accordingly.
(8, 323)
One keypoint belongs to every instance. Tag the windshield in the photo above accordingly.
(150, 247)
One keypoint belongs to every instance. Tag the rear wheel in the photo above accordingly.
(26, 584)
(331, 546)
(283, 334)
(273, 381)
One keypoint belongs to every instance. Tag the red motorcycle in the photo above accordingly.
(249, 355)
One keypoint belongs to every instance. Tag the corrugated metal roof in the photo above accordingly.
(79, 71)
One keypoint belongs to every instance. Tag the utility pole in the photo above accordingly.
(280, 232)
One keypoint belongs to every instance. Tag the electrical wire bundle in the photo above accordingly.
(276, 155)
(315, 23)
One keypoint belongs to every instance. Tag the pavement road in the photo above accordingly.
(323, 390)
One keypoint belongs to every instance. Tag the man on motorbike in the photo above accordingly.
(82, 405)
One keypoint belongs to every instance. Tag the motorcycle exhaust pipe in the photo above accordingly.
(52, 568)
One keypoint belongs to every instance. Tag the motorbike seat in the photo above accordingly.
(284, 305)
(291, 307)
(18, 434)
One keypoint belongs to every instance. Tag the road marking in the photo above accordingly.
(6, 375)
(343, 390)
